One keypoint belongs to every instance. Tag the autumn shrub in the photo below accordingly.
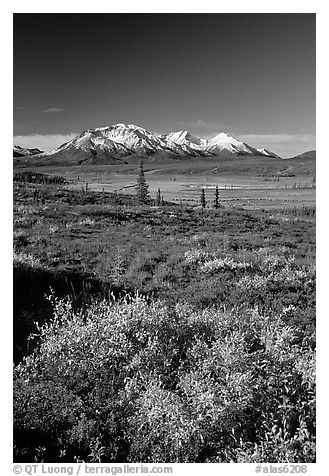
(142, 380)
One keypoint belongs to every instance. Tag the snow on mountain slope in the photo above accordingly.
(22, 152)
(139, 140)
(267, 153)
(93, 140)
(108, 144)
(183, 138)
(190, 144)
(222, 143)
(218, 145)
(122, 140)
(133, 137)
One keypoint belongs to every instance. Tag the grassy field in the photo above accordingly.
(242, 184)
(163, 334)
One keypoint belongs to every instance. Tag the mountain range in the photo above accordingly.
(119, 143)
(22, 152)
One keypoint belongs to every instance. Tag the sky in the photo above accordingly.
(249, 75)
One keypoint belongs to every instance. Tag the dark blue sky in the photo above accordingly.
(251, 75)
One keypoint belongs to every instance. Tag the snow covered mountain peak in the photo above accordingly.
(222, 143)
(108, 144)
(182, 137)
(222, 137)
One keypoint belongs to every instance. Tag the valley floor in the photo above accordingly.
(182, 184)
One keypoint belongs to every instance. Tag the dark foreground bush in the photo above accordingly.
(132, 381)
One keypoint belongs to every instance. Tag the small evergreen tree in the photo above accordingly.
(216, 201)
(158, 198)
(203, 198)
(142, 187)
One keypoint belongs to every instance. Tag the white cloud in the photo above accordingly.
(44, 142)
(53, 109)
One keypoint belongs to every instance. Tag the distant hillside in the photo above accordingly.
(310, 154)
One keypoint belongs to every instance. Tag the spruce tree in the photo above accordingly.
(203, 198)
(142, 187)
(158, 198)
(216, 202)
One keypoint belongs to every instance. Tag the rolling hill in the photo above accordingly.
(308, 155)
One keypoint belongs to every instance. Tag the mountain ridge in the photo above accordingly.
(19, 151)
(118, 143)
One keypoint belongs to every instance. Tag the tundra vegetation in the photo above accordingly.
(161, 333)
